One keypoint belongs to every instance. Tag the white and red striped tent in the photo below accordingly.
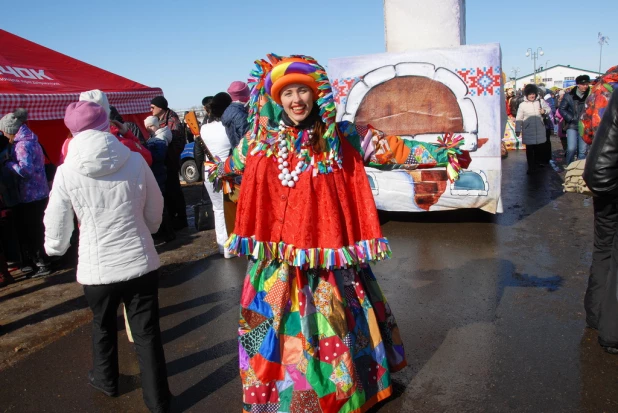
(45, 81)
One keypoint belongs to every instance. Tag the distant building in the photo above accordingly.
(560, 76)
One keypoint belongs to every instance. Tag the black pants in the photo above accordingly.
(199, 156)
(32, 232)
(140, 297)
(173, 198)
(545, 149)
(533, 155)
(605, 229)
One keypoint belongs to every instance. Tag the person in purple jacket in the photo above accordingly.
(27, 162)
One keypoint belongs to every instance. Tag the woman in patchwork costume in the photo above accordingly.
(316, 333)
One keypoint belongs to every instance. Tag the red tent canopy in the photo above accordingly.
(44, 82)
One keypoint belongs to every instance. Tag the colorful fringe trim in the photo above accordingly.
(327, 258)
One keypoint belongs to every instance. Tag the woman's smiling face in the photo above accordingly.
(297, 101)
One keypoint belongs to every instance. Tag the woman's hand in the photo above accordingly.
(121, 126)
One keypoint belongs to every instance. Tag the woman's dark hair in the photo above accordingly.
(114, 114)
(206, 101)
(219, 103)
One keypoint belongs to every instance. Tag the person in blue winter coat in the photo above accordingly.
(234, 119)
(157, 144)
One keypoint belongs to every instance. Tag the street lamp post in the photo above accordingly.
(535, 55)
(602, 40)
(546, 63)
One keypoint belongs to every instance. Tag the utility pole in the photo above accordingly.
(534, 56)
(602, 40)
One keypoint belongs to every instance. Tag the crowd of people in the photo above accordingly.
(311, 308)
(27, 173)
(115, 192)
(540, 112)
(585, 118)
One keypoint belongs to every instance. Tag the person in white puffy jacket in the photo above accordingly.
(118, 205)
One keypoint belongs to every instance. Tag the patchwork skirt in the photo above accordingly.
(315, 340)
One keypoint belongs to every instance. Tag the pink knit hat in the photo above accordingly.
(239, 91)
(84, 115)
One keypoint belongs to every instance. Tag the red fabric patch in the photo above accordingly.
(260, 394)
(266, 371)
(248, 293)
(305, 401)
(252, 318)
(331, 348)
(330, 403)
(302, 303)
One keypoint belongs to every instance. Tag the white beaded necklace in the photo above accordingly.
(289, 178)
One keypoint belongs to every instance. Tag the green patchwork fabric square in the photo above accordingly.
(318, 374)
(291, 324)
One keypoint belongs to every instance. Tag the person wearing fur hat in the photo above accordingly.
(216, 140)
(118, 204)
(311, 306)
(571, 109)
(174, 198)
(27, 162)
(234, 118)
(529, 124)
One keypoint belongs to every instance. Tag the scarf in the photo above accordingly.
(306, 123)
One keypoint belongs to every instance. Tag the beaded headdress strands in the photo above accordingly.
(266, 82)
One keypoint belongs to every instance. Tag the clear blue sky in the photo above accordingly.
(195, 48)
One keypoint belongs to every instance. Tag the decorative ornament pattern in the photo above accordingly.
(482, 81)
(342, 87)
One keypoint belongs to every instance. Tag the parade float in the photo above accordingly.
(429, 87)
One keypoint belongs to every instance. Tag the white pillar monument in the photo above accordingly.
(424, 24)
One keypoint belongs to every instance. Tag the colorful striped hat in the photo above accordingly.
(266, 82)
(289, 71)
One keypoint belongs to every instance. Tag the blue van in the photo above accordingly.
(188, 167)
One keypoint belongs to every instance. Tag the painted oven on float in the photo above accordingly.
(424, 95)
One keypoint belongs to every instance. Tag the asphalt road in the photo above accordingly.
(490, 309)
